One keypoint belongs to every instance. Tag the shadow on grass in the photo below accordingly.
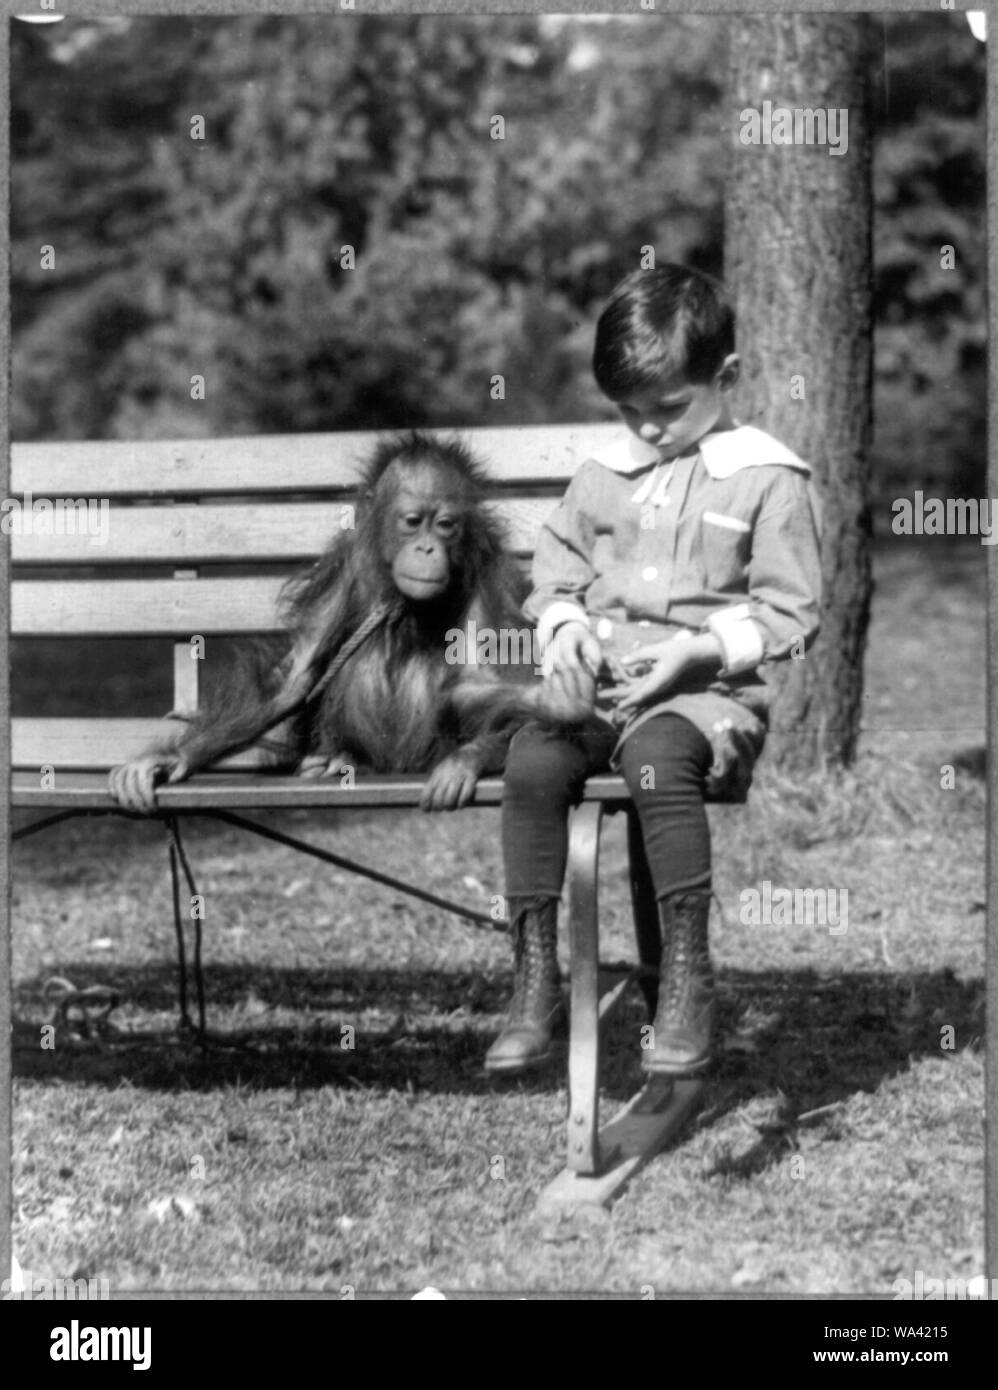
(810, 1040)
(818, 1040)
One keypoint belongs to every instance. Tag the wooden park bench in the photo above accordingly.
(201, 535)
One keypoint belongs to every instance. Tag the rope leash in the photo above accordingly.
(178, 855)
(377, 616)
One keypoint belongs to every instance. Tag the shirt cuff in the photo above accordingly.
(561, 611)
(740, 638)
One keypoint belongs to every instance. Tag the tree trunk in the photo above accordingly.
(798, 264)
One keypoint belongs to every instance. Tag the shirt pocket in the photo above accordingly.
(725, 548)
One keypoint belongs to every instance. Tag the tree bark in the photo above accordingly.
(798, 264)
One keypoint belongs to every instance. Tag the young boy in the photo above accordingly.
(676, 563)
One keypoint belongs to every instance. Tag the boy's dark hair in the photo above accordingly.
(658, 323)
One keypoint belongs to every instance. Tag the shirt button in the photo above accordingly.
(649, 574)
(604, 629)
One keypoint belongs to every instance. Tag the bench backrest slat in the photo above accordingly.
(92, 744)
(232, 518)
(143, 607)
(226, 533)
(280, 464)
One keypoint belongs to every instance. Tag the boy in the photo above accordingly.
(676, 562)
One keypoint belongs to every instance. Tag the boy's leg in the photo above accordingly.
(545, 772)
(665, 762)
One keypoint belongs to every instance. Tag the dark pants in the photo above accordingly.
(664, 763)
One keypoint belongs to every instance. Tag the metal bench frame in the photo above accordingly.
(598, 1162)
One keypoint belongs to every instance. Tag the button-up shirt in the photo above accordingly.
(722, 540)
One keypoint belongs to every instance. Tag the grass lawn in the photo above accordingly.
(841, 1143)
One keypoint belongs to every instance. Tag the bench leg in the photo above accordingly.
(583, 1059)
(601, 1163)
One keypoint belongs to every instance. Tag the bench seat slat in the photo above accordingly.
(234, 533)
(81, 751)
(143, 607)
(227, 791)
(278, 463)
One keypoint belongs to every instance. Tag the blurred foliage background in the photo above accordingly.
(474, 256)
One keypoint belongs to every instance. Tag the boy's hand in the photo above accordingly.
(572, 659)
(670, 661)
(573, 648)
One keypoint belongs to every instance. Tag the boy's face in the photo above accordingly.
(675, 414)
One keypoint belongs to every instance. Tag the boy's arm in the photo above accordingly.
(781, 609)
(562, 568)
(784, 582)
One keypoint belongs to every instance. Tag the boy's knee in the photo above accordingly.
(541, 762)
(657, 767)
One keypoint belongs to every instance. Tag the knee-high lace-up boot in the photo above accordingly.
(684, 1020)
(536, 1008)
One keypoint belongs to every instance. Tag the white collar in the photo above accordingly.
(723, 453)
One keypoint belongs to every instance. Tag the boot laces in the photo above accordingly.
(535, 967)
(685, 960)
